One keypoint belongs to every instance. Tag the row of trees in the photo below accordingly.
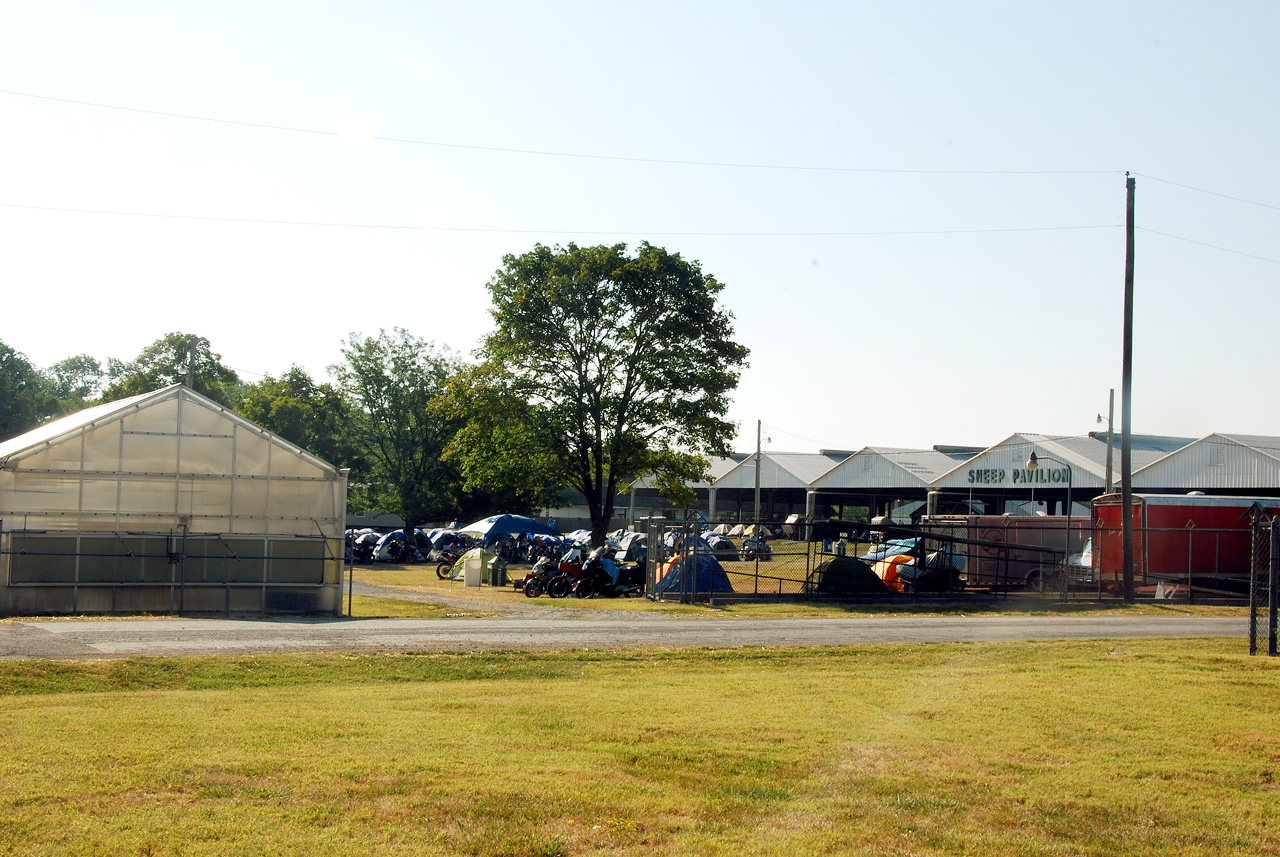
(603, 366)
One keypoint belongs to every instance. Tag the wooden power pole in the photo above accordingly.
(1126, 404)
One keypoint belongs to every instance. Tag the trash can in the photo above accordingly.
(498, 573)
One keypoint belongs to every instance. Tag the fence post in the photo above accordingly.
(1273, 625)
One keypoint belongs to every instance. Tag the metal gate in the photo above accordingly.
(1263, 582)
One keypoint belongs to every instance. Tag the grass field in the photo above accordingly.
(1135, 748)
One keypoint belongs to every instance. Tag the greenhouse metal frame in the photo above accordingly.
(167, 503)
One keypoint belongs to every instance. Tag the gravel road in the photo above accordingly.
(529, 626)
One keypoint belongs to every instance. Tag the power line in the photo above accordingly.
(395, 226)
(1211, 192)
(1210, 246)
(555, 154)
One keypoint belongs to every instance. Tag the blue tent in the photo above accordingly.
(514, 525)
(711, 576)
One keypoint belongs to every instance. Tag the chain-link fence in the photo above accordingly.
(965, 558)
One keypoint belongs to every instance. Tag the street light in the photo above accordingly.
(1033, 464)
(1111, 412)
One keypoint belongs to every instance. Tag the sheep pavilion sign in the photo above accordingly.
(1020, 476)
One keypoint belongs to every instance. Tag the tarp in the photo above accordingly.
(632, 547)
(846, 575)
(710, 576)
(508, 524)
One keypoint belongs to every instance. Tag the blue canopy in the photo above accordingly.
(514, 525)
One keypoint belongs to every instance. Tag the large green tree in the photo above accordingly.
(25, 398)
(394, 380)
(75, 381)
(604, 367)
(177, 358)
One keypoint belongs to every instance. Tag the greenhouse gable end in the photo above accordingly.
(167, 503)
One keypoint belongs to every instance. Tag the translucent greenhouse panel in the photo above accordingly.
(161, 416)
(41, 493)
(297, 507)
(149, 453)
(100, 495)
(151, 496)
(249, 506)
(252, 451)
(205, 498)
(206, 455)
(198, 418)
(286, 462)
(102, 447)
(60, 456)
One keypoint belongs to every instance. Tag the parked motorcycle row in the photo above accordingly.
(598, 575)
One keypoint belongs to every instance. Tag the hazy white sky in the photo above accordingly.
(941, 262)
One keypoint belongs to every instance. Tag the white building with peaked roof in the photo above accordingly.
(167, 502)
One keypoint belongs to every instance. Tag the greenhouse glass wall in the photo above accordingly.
(167, 503)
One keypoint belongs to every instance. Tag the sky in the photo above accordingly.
(916, 209)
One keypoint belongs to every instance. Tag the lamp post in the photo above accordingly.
(1111, 412)
(1033, 464)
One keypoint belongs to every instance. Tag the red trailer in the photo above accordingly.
(1012, 550)
(1181, 542)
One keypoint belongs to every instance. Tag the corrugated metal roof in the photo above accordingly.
(887, 467)
(1217, 462)
(779, 470)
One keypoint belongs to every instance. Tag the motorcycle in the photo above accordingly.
(554, 578)
(603, 577)
(756, 549)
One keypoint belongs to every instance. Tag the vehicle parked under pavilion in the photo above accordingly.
(167, 502)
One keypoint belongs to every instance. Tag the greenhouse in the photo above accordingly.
(167, 503)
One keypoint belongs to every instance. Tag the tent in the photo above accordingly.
(721, 546)
(846, 575)
(710, 576)
(515, 525)
(476, 565)
(676, 541)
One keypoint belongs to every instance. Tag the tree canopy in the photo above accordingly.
(393, 379)
(603, 367)
(25, 398)
(173, 359)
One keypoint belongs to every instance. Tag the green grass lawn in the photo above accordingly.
(1149, 747)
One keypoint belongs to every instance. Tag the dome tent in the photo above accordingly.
(167, 502)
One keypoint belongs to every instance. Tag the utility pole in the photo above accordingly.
(1126, 402)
